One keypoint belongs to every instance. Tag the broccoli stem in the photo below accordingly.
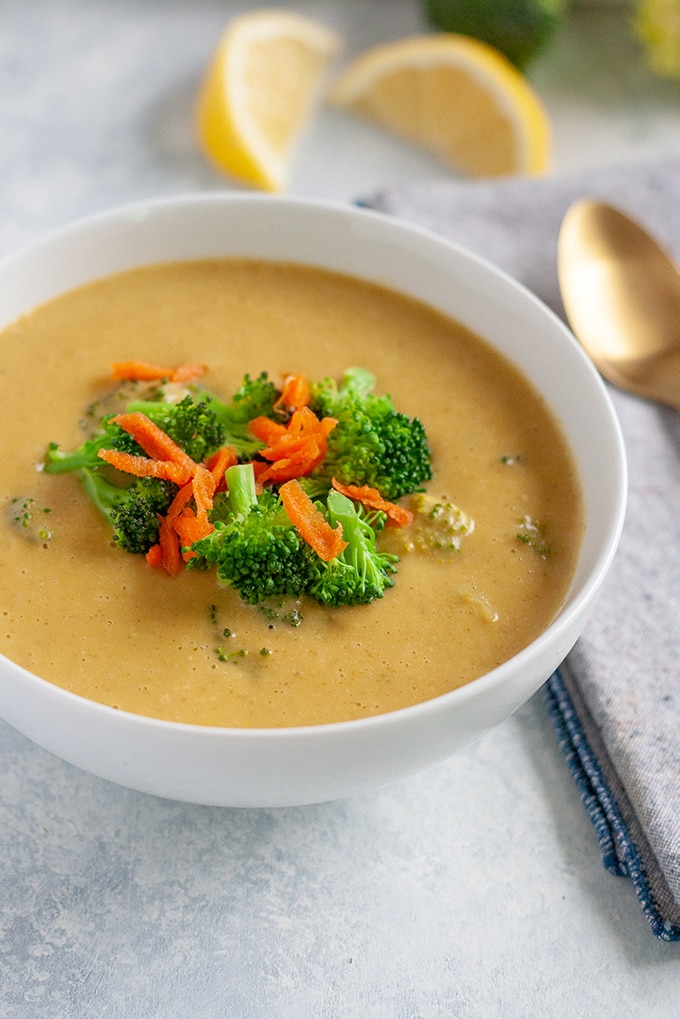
(241, 488)
(358, 534)
(58, 462)
(101, 492)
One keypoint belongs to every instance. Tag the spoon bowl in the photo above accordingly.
(621, 293)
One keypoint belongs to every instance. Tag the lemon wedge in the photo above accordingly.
(260, 92)
(455, 96)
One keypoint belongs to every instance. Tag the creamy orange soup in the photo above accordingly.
(98, 621)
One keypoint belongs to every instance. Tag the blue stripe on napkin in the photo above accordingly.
(620, 854)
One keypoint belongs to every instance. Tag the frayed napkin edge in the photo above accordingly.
(620, 854)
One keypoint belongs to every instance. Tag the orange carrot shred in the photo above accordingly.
(154, 556)
(301, 461)
(153, 440)
(182, 526)
(181, 499)
(302, 420)
(259, 469)
(203, 485)
(165, 458)
(327, 425)
(217, 464)
(294, 451)
(295, 393)
(190, 529)
(187, 372)
(266, 430)
(326, 541)
(142, 371)
(397, 516)
(143, 467)
(169, 543)
(300, 446)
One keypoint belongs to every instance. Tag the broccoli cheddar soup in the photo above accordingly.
(482, 568)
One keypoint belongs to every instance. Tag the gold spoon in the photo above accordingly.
(621, 293)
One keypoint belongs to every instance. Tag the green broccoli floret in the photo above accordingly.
(131, 508)
(135, 518)
(129, 505)
(254, 546)
(254, 398)
(372, 444)
(360, 573)
(192, 424)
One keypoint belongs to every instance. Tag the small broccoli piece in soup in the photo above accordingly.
(438, 526)
(30, 519)
(532, 534)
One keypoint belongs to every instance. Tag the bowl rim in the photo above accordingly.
(566, 615)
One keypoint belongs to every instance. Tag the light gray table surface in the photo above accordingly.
(473, 889)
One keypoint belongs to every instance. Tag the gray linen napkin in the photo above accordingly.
(616, 700)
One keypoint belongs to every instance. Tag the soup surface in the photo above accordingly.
(98, 621)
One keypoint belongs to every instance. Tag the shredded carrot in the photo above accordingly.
(259, 469)
(184, 496)
(295, 393)
(154, 556)
(153, 440)
(326, 541)
(305, 445)
(326, 426)
(166, 458)
(139, 371)
(187, 372)
(217, 464)
(296, 449)
(182, 526)
(142, 371)
(266, 430)
(397, 516)
(305, 420)
(169, 543)
(190, 529)
(143, 467)
(301, 460)
(203, 485)
(166, 553)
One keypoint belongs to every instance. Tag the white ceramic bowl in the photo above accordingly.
(276, 767)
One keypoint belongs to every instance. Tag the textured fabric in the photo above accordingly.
(616, 701)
